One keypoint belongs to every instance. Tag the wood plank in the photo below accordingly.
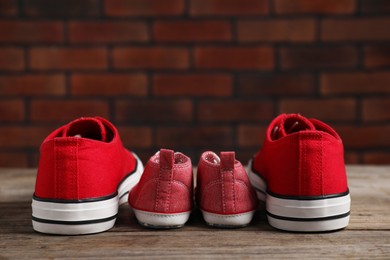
(367, 236)
(220, 244)
(17, 184)
(370, 195)
(19, 241)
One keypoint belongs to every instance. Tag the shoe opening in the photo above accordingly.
(320, 126)
(90, 128)
(212, 157)
(179, 158)
(290, 124)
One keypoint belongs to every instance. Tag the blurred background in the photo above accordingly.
(194, 75)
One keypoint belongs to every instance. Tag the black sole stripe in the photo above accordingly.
(124, 194)
(259, 190)
(108, 197)
(306, 198)
(309, 219)
(82, 222)
(322, 197)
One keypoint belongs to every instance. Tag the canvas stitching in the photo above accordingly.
(223, 192)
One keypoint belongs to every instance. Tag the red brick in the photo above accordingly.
(318, 57)
(376, 109)
(376, 158)
(8, 7)
(234, 58)
(32, 85)
(14, 159)
(275, 84)
(151, 58)
(11, 110)
(234, 111)
(107, 32)
(136, 137)
(281, 30)
(210, 137)
(153, 110)
(33, 158)
(355, 83)
(228, 7)
(375, 6)
(327, 110)
(315, 6)
(359, 29)
(145, 154)
(351, 158)
(192, 85)
(143, 7)
(109, 84)
(61, 8)
(68, 58)
(23, 136)
(245, 154)
(251, 136)
(31, 32)
(43, 110)
(11, 59)
(377, 56)
(374, 137)
(192, 31)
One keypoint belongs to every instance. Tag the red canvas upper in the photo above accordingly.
(301, 157)
(81, 160)
(223, 186)
(165, 185)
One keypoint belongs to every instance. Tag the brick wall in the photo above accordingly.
(194, 74)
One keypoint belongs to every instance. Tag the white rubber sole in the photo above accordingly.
(82, 217)
(228, 221)
(303, 214)
(74, 218)
(161, 220)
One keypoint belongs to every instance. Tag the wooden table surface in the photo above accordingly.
(366, 237)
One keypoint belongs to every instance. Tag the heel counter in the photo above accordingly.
(58, 170)
(310, 173)
(321, 165)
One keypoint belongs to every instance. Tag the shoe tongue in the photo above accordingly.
(291, 123)
(86, 127)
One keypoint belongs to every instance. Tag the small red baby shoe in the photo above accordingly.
(163, 196)
(300, 174)
(84, 173)
(224, 193)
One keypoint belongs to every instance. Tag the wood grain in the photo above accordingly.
(17, 184)
(367, 236)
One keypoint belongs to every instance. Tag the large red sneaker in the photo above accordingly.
(223, 191)
(300, 174)
(84, 173)
(163, 197)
